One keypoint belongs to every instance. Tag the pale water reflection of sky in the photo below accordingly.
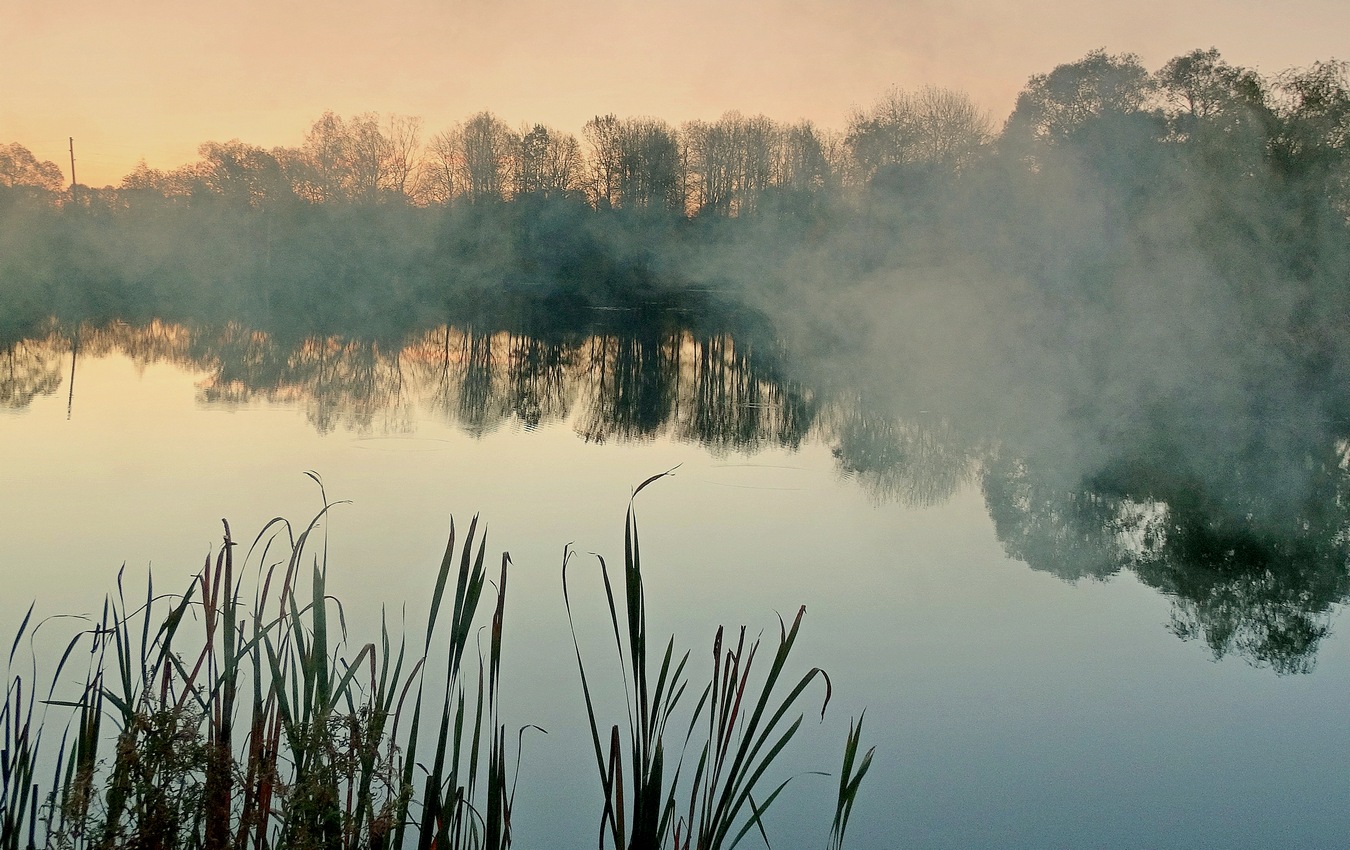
(1010, 709)
(155, 78)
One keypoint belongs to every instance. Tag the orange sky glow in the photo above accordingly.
(153, 79)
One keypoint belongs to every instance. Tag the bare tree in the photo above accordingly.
(952, 130)
(403, 153)
(932, 126)
(486, 146)
(733, 162)
(439, 174)
(362, 160)
(603, 133)
(712, 164)
(636, 163)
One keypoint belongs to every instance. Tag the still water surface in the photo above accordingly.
(1010, 708)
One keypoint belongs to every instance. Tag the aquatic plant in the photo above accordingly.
(740, 725)
(204, 719)
(318, 760)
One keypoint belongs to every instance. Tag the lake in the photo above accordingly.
(1041, 665)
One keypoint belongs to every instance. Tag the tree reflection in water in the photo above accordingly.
(918, 463)
(1249, 570)
(1245, 580)
(30, 368)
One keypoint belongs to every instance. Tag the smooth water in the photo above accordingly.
(1009, 707)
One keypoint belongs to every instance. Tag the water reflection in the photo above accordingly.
(1255, 584)
(919, 463)
(1252, 570)
(30, 368)
(614, 385)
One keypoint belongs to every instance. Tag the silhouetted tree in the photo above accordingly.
(932, 128)
(1055, 108)
(359, 160)
(18, 167)
(547, 163)
(1218, 111)
(144, 184)
(1312, 143)
(440, 178)
(636, 164)
(603, 133)
(733, 161)
(28, 369)
(807, 164)
(23, 174)
(242, 174)
(486, 146)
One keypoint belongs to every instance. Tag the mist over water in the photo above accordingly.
(1120, 318)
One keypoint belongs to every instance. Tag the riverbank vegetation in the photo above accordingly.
(385, 215)
(209, 719)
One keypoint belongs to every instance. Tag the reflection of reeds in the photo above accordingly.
(261, 729)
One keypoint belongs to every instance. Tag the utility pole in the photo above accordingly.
(74, 354)
(72, 165)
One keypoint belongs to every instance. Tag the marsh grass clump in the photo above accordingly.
(203, 721)
(742, 721)
(238, 715)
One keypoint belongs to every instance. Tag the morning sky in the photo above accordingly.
(155, 78)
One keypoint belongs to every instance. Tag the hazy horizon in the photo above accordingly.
(153, 81)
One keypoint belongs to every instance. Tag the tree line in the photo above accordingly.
(1295, 124)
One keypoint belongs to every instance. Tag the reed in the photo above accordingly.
(262, 726)
(237, 715)
(742, 722)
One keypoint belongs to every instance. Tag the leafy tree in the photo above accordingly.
(22, 173)
(1312, 143)
(1055, 108)
(1245, 587)
(242, 174)
(885, 135)
(28, 369)
(1200, 85)
(1220, 111)
(144, 181)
